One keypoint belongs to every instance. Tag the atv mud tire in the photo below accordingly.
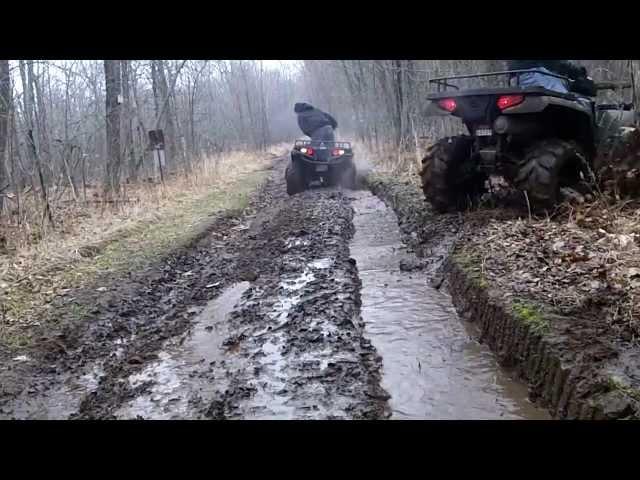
(548, 166)
(294, 177)
(450, 181)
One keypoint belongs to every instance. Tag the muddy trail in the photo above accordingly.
(303, 307)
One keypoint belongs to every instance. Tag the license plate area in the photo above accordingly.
(484, 132)
(322, 168)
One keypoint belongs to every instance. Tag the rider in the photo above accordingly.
(315, 123)
(582, 83)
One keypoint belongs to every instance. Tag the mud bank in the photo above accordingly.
(572, 368)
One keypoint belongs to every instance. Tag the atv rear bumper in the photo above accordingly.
(323, 171)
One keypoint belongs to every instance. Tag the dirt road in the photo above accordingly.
(304, 307)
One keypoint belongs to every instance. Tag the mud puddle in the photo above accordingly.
(58, 402)
(433, 368)
(187, 372)
(300, 353)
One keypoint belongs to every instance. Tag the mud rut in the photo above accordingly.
(300, 310)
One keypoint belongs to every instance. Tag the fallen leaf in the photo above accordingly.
(633, 272)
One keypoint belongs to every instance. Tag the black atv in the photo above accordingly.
(318, 163)
(539, 140)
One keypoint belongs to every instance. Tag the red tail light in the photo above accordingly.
(337, 152)
(448, 104)
(307, 150)
(507, 101)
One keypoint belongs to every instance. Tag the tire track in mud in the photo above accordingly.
(278, 332)
(299, 348)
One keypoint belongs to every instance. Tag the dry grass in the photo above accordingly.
(95, 240)
(388, 160)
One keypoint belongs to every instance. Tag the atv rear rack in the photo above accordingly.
(442, 82)
(302, 143)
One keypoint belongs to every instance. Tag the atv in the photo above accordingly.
(318, 163)
(539, 140)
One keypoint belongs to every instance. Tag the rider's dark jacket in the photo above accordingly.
(311, 119)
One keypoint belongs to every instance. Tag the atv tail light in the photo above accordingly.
(507, 101)
(337, 152)
(307, 150)
(448, 104)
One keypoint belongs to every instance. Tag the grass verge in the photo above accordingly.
(165, 222)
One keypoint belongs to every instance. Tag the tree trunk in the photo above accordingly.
(165, 113)
(5, 102)
(252, 127)
(44, 151)
(32, 148)
(113, 81)
(141, 129)
(129, 147)
(67, 147)
(263, 106)
(399, 102)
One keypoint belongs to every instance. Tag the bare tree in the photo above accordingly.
(127, 123)
(5, 101)
(164, 108)
(31, 138)
(113, 83)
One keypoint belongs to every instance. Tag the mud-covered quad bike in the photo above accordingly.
(318, 163)
(539, 140)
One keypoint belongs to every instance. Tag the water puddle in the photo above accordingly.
(185, 369)
(270, 400)
(294, 242)
(59, 402)
(321, 263)
(433, 368)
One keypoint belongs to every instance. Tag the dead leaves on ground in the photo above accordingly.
(564, 264)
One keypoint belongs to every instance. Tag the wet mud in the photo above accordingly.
(305, 307)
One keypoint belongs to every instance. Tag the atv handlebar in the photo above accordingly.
(613, 85)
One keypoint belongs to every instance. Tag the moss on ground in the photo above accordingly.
(615, 384)
(532, 316)
(471, 264)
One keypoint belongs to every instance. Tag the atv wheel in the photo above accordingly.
(548, 166)
(449, 179)
(295, 179)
